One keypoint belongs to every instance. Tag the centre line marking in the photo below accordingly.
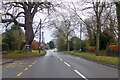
(67, 64)
(80, 75)
(30, 65)
(61, 59)
(19, 74)
(26, 69)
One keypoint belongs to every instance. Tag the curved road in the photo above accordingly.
(60, 65)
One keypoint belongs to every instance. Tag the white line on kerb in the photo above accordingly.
(80, 74)
(61, 59)
(67, 64)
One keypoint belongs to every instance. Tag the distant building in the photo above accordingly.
(35, 45)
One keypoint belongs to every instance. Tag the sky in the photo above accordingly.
(47, 32)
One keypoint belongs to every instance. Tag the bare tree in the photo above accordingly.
(118, 19)
(97, 9)
(28, 11)
(64, 30)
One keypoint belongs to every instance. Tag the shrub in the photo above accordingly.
(5, 46)
(113, 50)
(91, 48)
(83, 46)
(113, 47)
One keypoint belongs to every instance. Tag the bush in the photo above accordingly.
(5, 47)
(13, 38)
(113, 50)
(91, 49)
(83, 48)
(113, 47)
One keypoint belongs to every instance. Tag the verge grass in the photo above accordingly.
(18, 54)
(104, 59)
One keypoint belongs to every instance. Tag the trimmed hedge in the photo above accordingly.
(113, 50)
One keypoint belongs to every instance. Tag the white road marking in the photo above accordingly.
(67, 64)
(80, 75)
(61, 59)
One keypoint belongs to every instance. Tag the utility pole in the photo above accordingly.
(40, 36)
(80, 35)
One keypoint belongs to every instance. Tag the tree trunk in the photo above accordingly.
(68, 47)
(118, 20)
(98, 36)
(29, 31)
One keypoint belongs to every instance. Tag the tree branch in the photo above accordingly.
(15, 22)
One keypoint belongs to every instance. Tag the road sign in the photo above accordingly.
(42, 42)
(27, 45)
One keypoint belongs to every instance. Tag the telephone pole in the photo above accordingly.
(40, 36)
(80, 31)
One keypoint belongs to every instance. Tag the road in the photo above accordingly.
(58, 65)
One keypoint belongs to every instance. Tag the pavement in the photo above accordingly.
(57, 65)
(4, 61)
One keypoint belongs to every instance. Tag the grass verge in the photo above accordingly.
(104, 59)
(18, 54)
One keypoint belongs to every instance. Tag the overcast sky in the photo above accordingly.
(48, 32)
